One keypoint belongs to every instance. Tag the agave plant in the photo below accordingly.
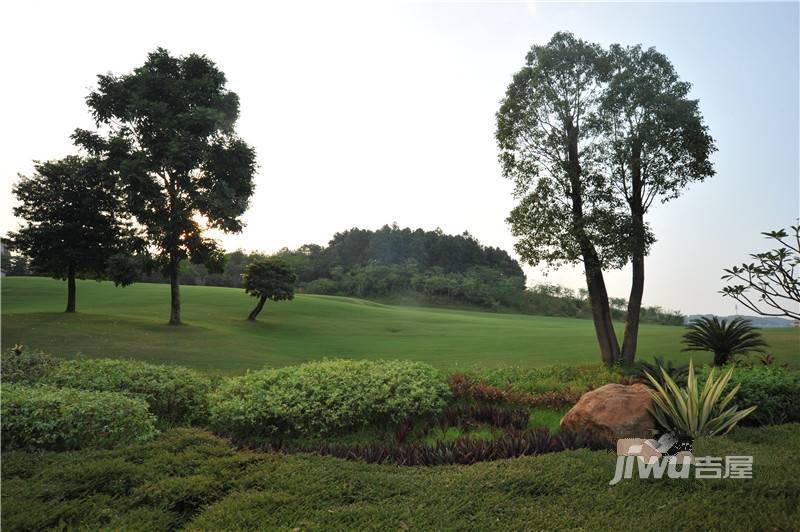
(693, 412)
(724, 338)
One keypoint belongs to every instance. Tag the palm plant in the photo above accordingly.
(725, 339)
(692, 412)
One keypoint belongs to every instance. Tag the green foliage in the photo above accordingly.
(325, 397)
(552, 378)
(94, 490)
(724, 339)
(774, 390)
(20, 366)
(271, 279)
(45, 417)
(174, 394)
(696, 412)
(769, 286)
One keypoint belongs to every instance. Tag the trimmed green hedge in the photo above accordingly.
(174, 393)
(326, 397)
(61, 419)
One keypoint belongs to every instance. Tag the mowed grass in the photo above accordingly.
(131, 323)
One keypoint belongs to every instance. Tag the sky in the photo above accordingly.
(364, 114)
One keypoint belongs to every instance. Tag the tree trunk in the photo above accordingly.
(637, 258)
(71, 288)
(595, 283)
(721, 358)
(637, 289)
(601, 310)
(175, 293)
(257, 310)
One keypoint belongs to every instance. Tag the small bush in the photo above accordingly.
(775, 391)
(44, 417)
(174, 393)
(326, 397)
(21, 366)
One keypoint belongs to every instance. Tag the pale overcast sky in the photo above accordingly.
(372, 113)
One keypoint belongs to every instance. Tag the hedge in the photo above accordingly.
(326, 397)
(174, 393)
(60, 419)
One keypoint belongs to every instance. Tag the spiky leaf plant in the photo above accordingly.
(693, 412)
(724, 338)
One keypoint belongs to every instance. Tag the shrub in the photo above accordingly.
(21, 366)
(775, 391)
(326, 397)
(44, 417)
(174, 393)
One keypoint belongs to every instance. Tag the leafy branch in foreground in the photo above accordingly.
(693, 412)
(771, 285)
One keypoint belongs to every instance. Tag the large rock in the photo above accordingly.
(611, 412)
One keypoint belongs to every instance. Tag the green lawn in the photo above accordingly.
(131, 322)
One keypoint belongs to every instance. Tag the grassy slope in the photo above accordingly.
(191, 479)
(130, 322)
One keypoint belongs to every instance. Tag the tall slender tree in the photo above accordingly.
(168, 130)
(566, 213)
(75, 222)
(654, 144)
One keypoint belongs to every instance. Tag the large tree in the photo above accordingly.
(168, 127)
(655, 144)
(566, 213)
(75, 223)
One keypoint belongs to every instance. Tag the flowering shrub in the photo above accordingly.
(59, 419)
(174, 393)
(326, 397)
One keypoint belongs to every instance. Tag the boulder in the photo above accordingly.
(612, 412)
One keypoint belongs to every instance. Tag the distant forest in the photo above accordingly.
(406, 266)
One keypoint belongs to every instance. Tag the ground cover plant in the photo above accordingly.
(128, 323)
(190, 479)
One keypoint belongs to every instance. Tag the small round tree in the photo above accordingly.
(268, 279)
